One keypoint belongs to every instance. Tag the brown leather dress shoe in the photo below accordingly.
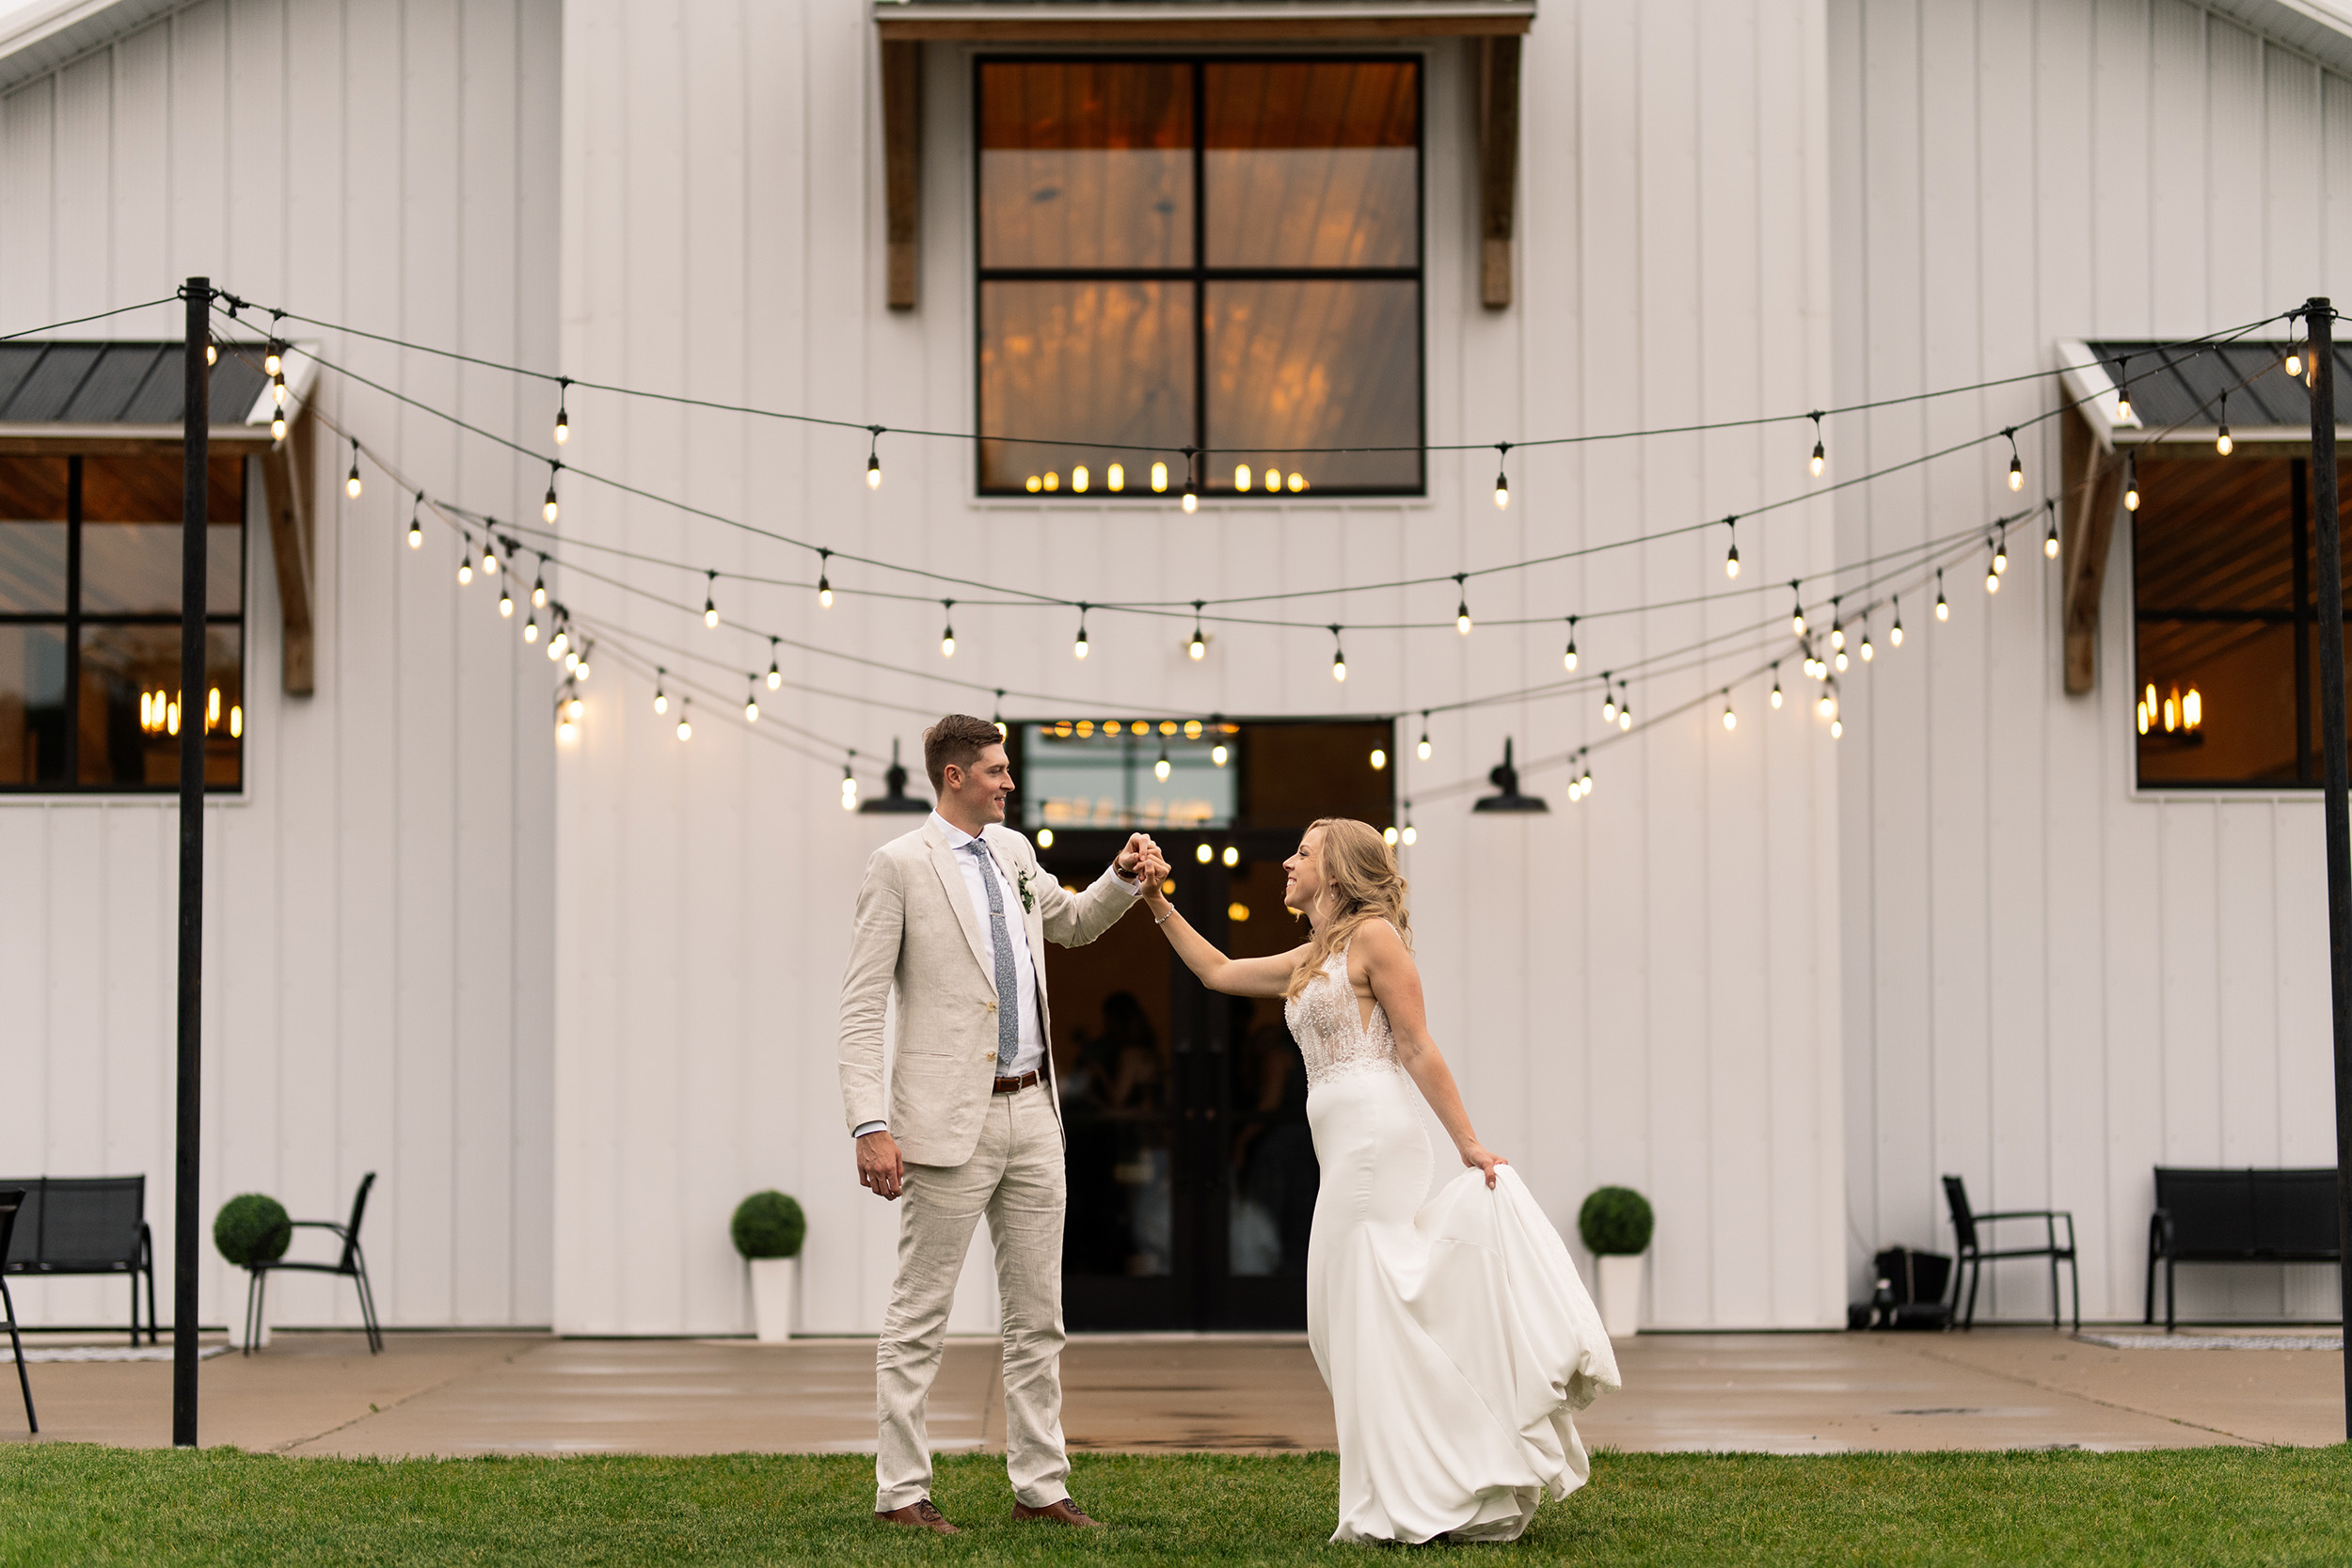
(1062, 1513)
(919, 1513)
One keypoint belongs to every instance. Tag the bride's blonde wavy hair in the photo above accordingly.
(1360, 880)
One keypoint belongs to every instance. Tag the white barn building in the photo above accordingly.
(572, 999)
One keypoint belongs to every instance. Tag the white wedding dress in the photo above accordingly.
(1454, 1334)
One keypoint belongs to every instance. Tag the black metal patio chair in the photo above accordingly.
(11, 1201)
(1974, 1255)
(352, 1265)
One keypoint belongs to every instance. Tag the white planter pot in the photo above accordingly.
(1620, 1281)
(775, 1294)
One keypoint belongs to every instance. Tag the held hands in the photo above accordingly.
(1478, 1157)
(880, 1169)
(1132, 861)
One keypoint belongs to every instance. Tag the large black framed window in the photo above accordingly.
(2226, 645)
(90, 625)
(1220, 253)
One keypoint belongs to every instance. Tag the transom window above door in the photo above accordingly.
(1220, 254)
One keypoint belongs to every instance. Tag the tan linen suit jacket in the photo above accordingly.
(917, 935)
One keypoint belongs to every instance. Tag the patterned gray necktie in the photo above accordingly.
(1008, 986)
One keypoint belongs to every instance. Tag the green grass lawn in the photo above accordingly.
(77, 1504)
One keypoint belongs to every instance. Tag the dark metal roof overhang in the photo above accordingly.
(66, 398)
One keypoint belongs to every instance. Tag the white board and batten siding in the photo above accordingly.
(1643, 989)
(377, 983)
(2053, 980)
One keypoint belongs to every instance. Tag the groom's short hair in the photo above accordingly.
(959, 738)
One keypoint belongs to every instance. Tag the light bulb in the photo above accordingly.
(1421, 750)
(1297, 482)
(1839, 659)
(1837, 635)
(2000, 558)
(211, 354)
(465, 570)
(1080, 479)
(2050, 544)
(2294, 362)
(506, 604)
(277, 388)
(576, 708)
(1159, 477)
(1241, 476)
(416, 534)
(531, 629)
(1609, 708)
(565, 728)
(1502, 491)
(236, 719)
(2192, 709)
(1203, 853)
(1379, 758)
(539, 590)
(562, 424)
(1407, 835)
(2016, 474)
(825, 594)
(1992, 583)
(1117, 476)
(1895, 632)
(1229, 855)
(1866, 647)
(1625, 719)
(2131, 496)
(1731, 720)
(1587, 781)
(1387, 836)
(710, 612)
(1796, 615)
(947, 643)
(684, 728)
(1828, 705)
(1776, 697)
(580, 670)
(351, 481)
(278, 426)
(661, 700)
(1821, 458)
(1217, 754)
(1339, 669)
(873, 471)
(1567, 658)
(1462, 618)
(489, 560)
(548, 508)
(557, 643)
(1836, 729)
(751, 710)
(2123, 407)
(1273, 479)
(1079, 647)
(1160, 768)
(1045, 838)
(1198, 647)
(1731, 561)
(1192, 502)
(775, 675)
(272, 358)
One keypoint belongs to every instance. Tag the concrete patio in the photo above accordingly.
(457, 1394)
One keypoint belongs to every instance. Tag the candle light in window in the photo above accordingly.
(1112, 726)
(1297, 482)
(1241, 476)
(1117, 477)
(236, 722)
(1079, 478)
(1036, 484)
(212, 708)
(2192, 710)
(1192, 729)
(1159, 476)
(1274, 479)
(1053, 480)
(2172, 711)
(171, 718)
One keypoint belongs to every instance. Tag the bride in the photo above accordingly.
(1454, 1333)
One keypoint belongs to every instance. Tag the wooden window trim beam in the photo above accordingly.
(287, 468)
(1174, 22)
(902, 167)
(2093, 474)
(1498, 164)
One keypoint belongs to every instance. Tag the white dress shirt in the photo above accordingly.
(1029, 1054)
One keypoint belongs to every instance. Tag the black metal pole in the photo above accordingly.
(197, 413)
(2319, 320)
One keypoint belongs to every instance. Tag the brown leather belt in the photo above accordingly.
(1015, 1085)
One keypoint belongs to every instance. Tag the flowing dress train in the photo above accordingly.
(1454, 1333)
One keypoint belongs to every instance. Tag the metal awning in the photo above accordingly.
(2181, 395)
(99, 397)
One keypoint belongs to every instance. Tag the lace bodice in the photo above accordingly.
(1327, 1022)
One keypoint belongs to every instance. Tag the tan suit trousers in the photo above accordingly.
(1015, 1177)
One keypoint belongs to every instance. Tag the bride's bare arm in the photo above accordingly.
(1395, 982)
(1233, 977)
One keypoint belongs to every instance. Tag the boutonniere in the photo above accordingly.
(1028, 897)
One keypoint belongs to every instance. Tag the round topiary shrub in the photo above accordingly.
(1615, 1222)
(252, 1228)
(768, 1225)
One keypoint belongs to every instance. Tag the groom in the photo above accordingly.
(952, 918)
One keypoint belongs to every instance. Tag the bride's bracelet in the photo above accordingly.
(1164, 919)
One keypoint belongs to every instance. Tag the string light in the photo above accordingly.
(1837, 729)
(1159, 478)
(2295, 356)
(580, 670)
(560, 642)
(278, 425)
(351, 481)
(272, 358)
(1461, 611)
(2000, 551)
(1160, 768)
(531, 627)
(1421, 750)
(1229, 855)
(1895, 632)
(1839, 661)
(1608, 698)
(1567, 660)
(1731, 561)
(506, 603)
(1796, 614)
(1866, 639)
(1241, 476)
(1776, 698)
(1118, 477)
(539, 585)
(1502, 477)
(686, 718)
(1943, 611)
(2050, 540)
(873, 458)
(848, 786)
(1198, 646)
(1820, 453)
(1837, 627)
(415, 523)
(1379, 758)
(1192, 494)
(1828, 704)
(489, 557)
(563, 412)
(2222, 442)
(1219, 752)
(750, 699)
(1585, 782)
(661, 697)
(1731, 720)
(277, 388)
(2016, 464)
(824, 583)
(1203, 853)
(548, 508)
(465, 561)
(1339, 658)
(2130, 482)
(997, 716)
(1405, 833)
(1079, 647)
(710, 600)
(947, 635)
(211, 352)
(2123, 391)
(1625, 708)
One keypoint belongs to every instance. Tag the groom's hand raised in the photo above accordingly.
(880, 1169)
(1130, 861)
